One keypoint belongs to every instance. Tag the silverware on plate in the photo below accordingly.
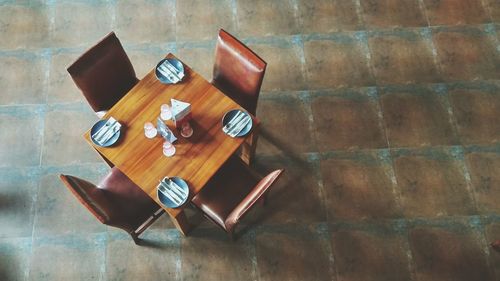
(239, 127)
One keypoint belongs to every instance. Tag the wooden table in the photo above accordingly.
(196, 159)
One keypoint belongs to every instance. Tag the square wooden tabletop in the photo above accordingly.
(196, 159)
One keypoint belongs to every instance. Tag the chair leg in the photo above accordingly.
(136, 238)
(249, 146)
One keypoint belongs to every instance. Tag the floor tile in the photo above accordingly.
(63, 135)
(475, 108)
(201, 20)
(465, 54)
(301, 254)
(58, 211)
(347, 119)
(433, 176)
(402, 57)
(392, 13)
(145, 60)
(370, 252)
(68, 32)
(223, 260)
(325, 16)
(285, 68)
(484, 169)
(449, 252)
(23, 75)
(455, 12)
(25, 26)
(21, 135)
(68, 258)
(359, 186)
(277, 136)
(200, 58)
(61, 87)
(154, 23)
(339, 62)
(156, 259)
(19, 190)
(253, 17)
(416, 116)
(294, 198)
(14, 256)
(492, 234)
(493, 7)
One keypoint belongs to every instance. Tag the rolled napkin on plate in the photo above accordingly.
(173, 192)
(238, 127)
(106, 132)
(169, 71)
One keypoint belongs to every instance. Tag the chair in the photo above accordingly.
(231, 193)
(116, 201)
(238, 72)
(104, 74)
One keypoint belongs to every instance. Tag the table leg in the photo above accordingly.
(181, 223)
(249, 146)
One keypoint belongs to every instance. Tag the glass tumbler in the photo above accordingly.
(150, 130)
(186, 130)
(168, 149)
(165, 112)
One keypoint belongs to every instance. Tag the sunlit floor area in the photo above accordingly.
(384, 114)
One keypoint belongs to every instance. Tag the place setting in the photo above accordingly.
(236, 123)
(170, 71)
(105, 132)
(172, 192)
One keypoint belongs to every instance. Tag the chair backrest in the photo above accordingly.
(90, 196)
(104, 73)
(249, 201)
(238, 72)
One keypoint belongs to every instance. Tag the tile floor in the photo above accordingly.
(384, 113)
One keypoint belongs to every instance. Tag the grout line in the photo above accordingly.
(234, 10)
(426, 34)
(424, 11)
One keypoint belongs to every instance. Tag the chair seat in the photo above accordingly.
(133, 205)
(225, 191)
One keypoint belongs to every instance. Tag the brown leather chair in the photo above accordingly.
(116, 201)
(238, 72)
(232, 192)
(104, 74)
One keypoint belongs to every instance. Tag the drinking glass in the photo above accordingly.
(150, 130)
(168, 149)
(165, 112)
(186, 130)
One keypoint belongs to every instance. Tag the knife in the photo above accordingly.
(175, 187)
(169, 194)
(234, 121)
(110, 133)
(239, 127)
(174, 70)
(104, 128)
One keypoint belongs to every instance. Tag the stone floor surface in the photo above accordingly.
(384, 113)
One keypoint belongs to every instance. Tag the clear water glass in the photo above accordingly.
(150, 130)
(165, 112)
(186, 130)
(168, 149)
